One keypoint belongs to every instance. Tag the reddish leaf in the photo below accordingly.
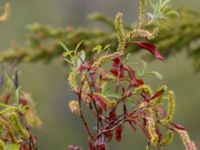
(118, 68)
(145, 96)
(178, 126)
(131, 73)
(144, 121)
(98, 100)
(131, 121)
(132, 124)
(91, 144)
(140, 82)
(117, 60)
(118, 133)
(112, 114)
(151, 48)
(109, 136)
(99, 145)
(157, 94)
(84, 66)
(24, 147)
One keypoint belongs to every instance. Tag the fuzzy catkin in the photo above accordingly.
(120, 31)
(18, 126)
(189, 145)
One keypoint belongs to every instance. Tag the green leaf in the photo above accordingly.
(156, 74)
(64, 46)
(106, 47)
(131, 101)
(17, 93)
(81, 58)
(68, 53)
(12, 147)
(77, 47)
(152, 4)
(113, 95)
(172, 13)
(67, 60)
(105, 90)
(98, 48)
(82, 55)
(144, 67)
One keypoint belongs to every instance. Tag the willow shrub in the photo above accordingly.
(112, 89)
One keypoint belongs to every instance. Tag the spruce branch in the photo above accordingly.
(175, 35)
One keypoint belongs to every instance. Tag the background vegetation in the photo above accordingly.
(48, 86)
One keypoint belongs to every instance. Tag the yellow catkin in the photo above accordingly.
(6, 12)
(142, 10)
(151, 126)
(72, 80)
(171, 108)
(101, 60)
(74, 106)
(144, 88)
(22, 131)
(108, 77)
(189, 145)
(143, 105)
(32, 118)
(168, 139)
(85, 91)
(10, 131)
(120, 31)
(2, 145)
(141, 33)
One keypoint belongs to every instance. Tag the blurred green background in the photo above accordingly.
(48, 85)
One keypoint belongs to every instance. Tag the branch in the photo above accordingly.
(174, 36)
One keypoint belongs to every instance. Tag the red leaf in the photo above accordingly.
(157, 94)
(151, 48)
(132, 124)
(118, 133)
(131, 73)
(132, 121)
(178, 126)
(24, 147)
(112, 114)
(140, 82)
(84, 66)
(91, 144)
(109, 136)
(118, 68)
(144, 121)
(99, 144)
(98, 100)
